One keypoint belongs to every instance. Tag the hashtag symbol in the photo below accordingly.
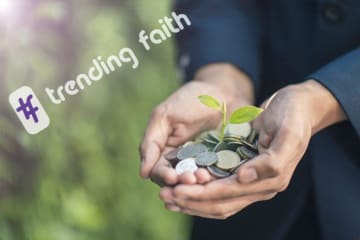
(28, 109)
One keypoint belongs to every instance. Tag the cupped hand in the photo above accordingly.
(289, 120)
(181, 117)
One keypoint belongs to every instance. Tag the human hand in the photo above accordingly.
(289, 120)
(181, 117)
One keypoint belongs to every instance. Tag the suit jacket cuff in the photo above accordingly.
(342, 79)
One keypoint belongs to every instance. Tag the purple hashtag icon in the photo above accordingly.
(28, 109)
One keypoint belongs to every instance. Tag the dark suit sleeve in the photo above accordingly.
(342, 78)
(221, 31)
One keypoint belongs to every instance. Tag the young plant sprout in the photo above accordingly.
(239, 116)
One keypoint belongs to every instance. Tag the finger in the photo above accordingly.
(263, 166)
(210, 209)
(182, 133)
(154, 140)
(203, 176)
(286, 140)
(166, 195)
(175, 141)
(222, 189)
(264, 140)
(258, 122)
(267, 102)
(197, 214)
(179, 135)
(219, 209)
(187, 178)
(272, 161)
(163, 174)
(172, 207)
(277, 159)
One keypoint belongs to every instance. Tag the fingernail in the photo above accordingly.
(249, 175)
(175, 209)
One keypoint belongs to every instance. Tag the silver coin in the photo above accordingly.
(214, 135)
(205, 159)
(234, 143)
(201, 137)
(188, 143)
(191, 151)
(251, 146)
(239, 140)
(210, 140)
(256, 143)
(238, 130)
(241, 154)
(209, 146)
(232, 146)
(227, 160)
(248, 152)
(220, 146)
(252, 136)
(172, 155)
(217, 172)
(186, 165)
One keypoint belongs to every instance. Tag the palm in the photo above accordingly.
(181, 117)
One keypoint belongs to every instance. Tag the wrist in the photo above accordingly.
(325, 109)
(228, 79)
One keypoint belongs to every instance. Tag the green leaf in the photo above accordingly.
(210, 102)
(245, 114)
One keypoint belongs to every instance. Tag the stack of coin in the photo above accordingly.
(220, 158)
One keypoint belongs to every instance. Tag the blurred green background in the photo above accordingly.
(79, 178)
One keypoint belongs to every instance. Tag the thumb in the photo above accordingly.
(269, 163)
(256, 169)
(268, 101)
(154, 140)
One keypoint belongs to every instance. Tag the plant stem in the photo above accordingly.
(223, 125)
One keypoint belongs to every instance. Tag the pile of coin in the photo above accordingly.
(220, 158)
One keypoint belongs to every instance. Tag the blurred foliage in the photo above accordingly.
(78, 180)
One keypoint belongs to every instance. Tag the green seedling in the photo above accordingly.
(240, 115)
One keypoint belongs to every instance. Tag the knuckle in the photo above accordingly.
(276, 170)
(287, 130)
(282, 185)
(230, 215)
(302, 140)
(275, 167)
(223, 217)
(219, 211)
(269, 196)
(297, 134)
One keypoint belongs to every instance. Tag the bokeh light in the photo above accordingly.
(6, 7)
